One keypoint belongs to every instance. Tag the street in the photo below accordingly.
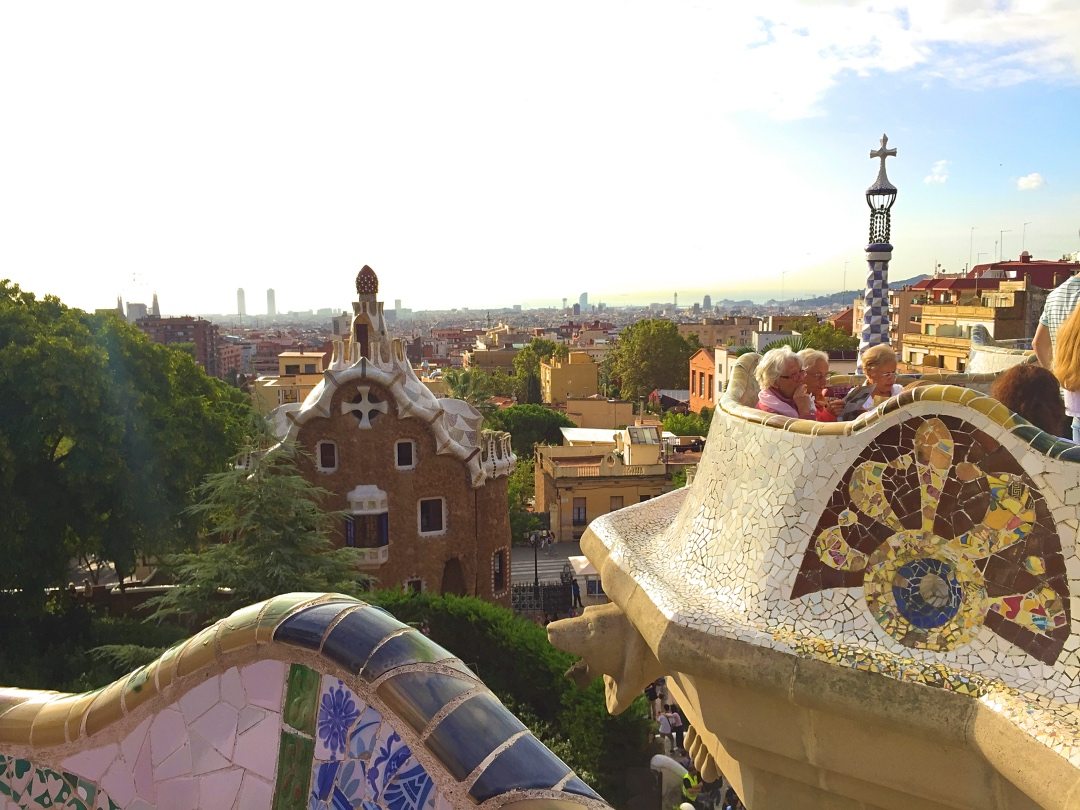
(549, 562)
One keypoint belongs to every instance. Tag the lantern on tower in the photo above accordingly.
(880, 197)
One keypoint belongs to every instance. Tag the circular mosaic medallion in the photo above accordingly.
(922, 595)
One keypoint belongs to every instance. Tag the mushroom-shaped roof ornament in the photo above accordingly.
(367, 283)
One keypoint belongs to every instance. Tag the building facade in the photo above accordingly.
(201, 334)
(576, 484)
(575, 376)
(424, 488)
(702, 380)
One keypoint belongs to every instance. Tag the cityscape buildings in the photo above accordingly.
(271, 303)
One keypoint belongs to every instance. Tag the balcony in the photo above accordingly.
(936, 341)
(373, 557)
(593, 470)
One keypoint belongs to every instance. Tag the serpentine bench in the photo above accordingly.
(880, 613)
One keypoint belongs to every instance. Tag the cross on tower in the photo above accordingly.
(883, 152)
(364, 407)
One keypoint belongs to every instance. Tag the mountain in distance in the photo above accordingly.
(840, 300)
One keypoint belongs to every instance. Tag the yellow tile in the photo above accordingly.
(139, 687)
(199, 652)
(50, 725)
(106, 709)
(230, 639)
(952, 394)
(80, 704)
(16, 722)
(165, 671)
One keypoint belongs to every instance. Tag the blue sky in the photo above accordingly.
(490, 153)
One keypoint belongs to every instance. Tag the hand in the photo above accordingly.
(835, 406)
(803, 401)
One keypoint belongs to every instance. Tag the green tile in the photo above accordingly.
(295, 758)
(301, 698)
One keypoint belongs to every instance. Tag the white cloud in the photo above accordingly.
(1030, 182)
(939, 172)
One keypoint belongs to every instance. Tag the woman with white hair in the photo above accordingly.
(782, 384)
(816, 365)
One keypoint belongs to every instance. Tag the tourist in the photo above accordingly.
(1067, 369)
(575, 591)
(691, 786)
(677, 727)
(1060, 304)
(879, 366)
(1034, 393)
(663, 722)
(816, 365)
(782, 384)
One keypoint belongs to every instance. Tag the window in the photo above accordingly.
(710, 394)
(309, 368)
(644, 498)
(326, 454)
(616, 503)
(498, 571)
(413, 586)
(593, 587)
(579, 512)
(292, 369)
(405, 454)
(367, 531)
(432, 519)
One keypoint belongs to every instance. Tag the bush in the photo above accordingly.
(516, 661)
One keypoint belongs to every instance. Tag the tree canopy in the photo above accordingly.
(528, 426)
(103, 434)
(828, 338)
(649, 354)
(265, 532)
(527, 367)
(688, 424)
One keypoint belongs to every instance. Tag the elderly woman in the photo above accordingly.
(816, 365)
(879, 366)
(782, 384)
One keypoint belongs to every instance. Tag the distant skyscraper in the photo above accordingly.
(120, 306)
(241, 309)
(271, 304)
(676, 300)
(564, 303)
(583, 301)
(706, 302)
(155, 310)
(135, 311)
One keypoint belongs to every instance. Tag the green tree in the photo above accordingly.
(521, 493)
(528, 426)
(686, 424)
(828, 338)
(649, 354)
(527, 367)
(265, 532)
(472, 385)
(102, 436)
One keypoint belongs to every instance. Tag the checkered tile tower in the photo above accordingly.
(880, 197)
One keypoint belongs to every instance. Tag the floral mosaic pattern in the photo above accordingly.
(23, 785)
(361, 761)
(945, 533)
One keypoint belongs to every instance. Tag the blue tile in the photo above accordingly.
(352, 640)
(471, 732)
(408, 648)
(418, 696)
(525, 765)
(575, 785)
(306, 628)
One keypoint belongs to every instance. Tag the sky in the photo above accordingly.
(484, 154)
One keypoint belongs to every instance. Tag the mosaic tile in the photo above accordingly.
(301, 698)
(525, 764)
(293, 772)
(416, 696)
(354, 638)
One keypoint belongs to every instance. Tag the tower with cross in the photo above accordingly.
(880, 197)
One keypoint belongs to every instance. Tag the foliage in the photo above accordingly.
(472, 385)
(103, 434)
(828, 338)
(514, 658)
(795, 342)
(686, 424)
(265, 533)
(802, 324)
(649, 354)
(528, 426)
(521, 491)
(678, 478)
(527, 367)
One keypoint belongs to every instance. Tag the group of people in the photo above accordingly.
(1046, 392)
(795, 384)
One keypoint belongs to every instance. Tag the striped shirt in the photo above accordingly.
(1060, 303)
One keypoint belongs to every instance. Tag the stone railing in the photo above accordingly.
(878, 613)
(304, 701)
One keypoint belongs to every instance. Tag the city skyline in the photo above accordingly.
(627, 149)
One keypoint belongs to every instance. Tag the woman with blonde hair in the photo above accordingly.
(1067, 367)
(879, 366)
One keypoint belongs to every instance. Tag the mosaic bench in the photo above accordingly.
(314, 701)
(878, 613)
